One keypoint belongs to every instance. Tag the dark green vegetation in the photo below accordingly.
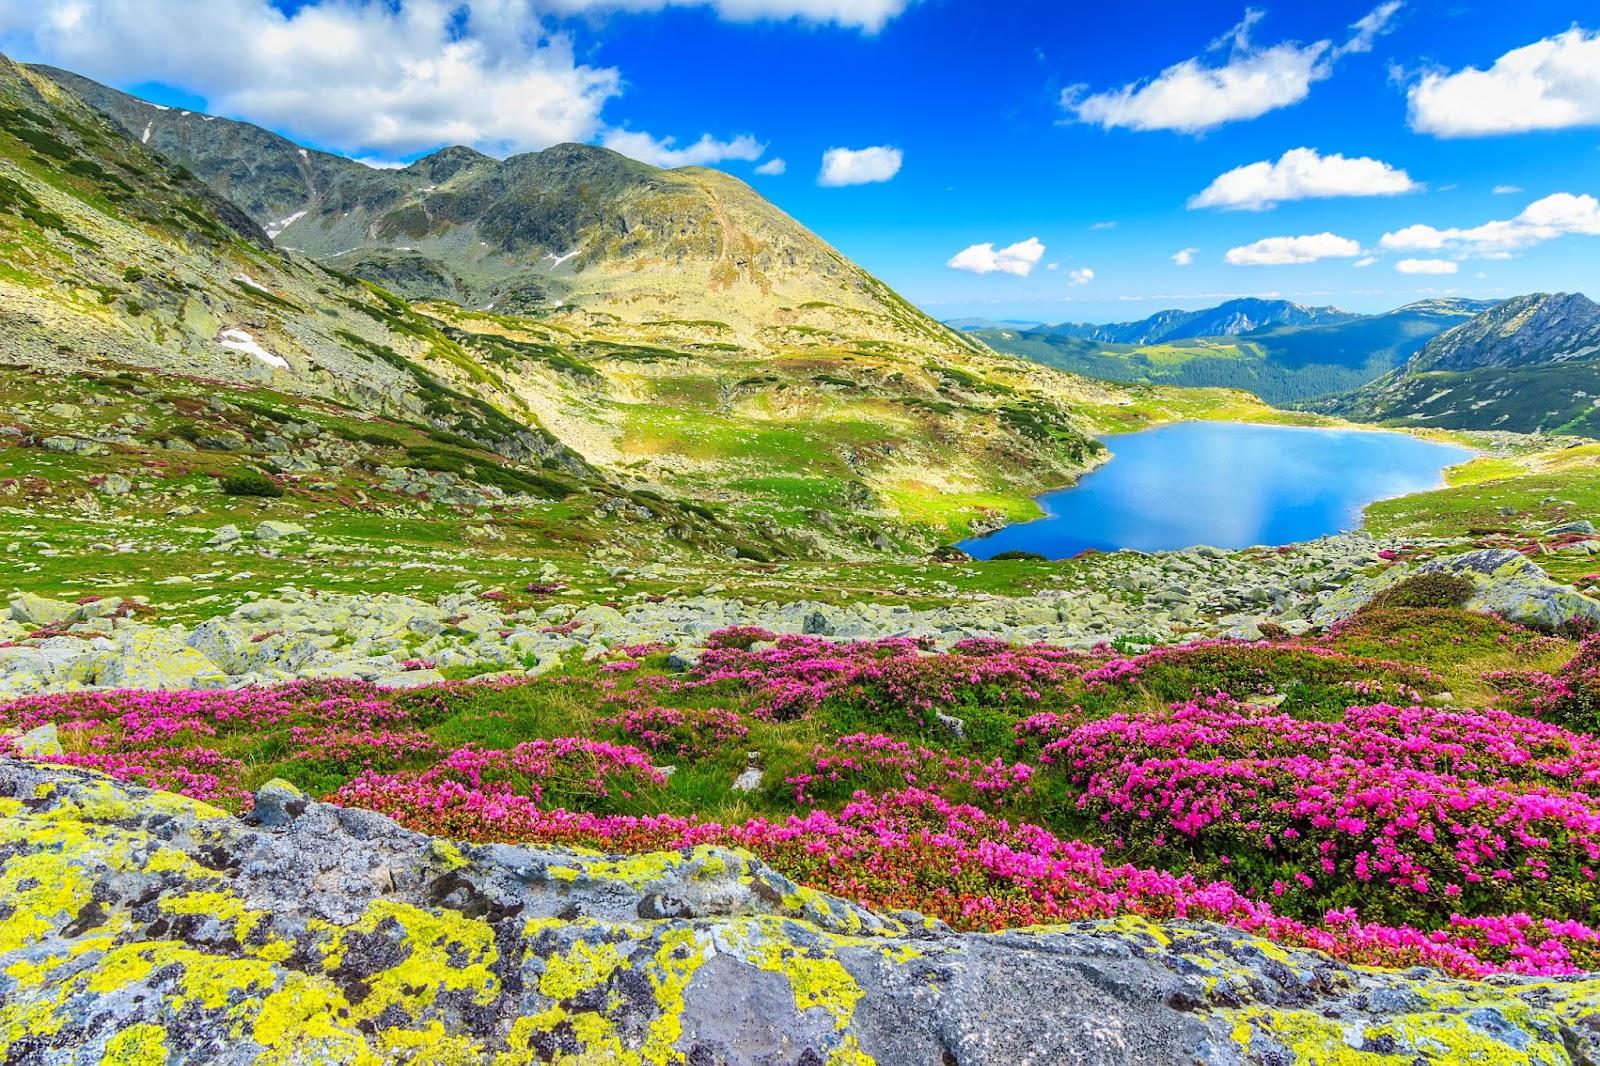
(250, 483)
(1305, 355)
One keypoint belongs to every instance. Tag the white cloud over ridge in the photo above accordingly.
(1302, 174)
(1018, 259)
(859, 166)
(1285, 251)
(378, 78)
(1184, 256)
(1551, 84)
(772, 168)
(707, 151)
(1196, 95)
(1543, 220)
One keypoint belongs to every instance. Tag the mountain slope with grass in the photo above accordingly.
(1282, 362)
(1529, 364)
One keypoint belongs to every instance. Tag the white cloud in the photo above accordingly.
(1542, 220)
(1081, 276)
(1195, 95)
(1018, 259)
(1551, 84)
(664, 153)
(1426, 266)
(868, 15)
(1364, 262)
(859, 166)
(1280, 251)
(372, 78)
(1103, 225)
(364, 76)
(1302, 174)
(1184, 256)
(772, 168)
(1506, 190)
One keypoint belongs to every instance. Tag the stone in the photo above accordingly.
(151, 658)
(1505, 582)
(224, 535)
(39, 611)
(40, 742)
(338, 936)
(272, 529)
(749, 779)
(681, 660)
(113, 485)
(1584, 527)
(277, 803)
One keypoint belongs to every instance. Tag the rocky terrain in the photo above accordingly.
(141, 926)
(53, 645)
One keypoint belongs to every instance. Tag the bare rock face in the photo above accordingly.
(139, 926)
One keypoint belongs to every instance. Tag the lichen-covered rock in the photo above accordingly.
(1505, 582)
(156, 659)
(138, 926)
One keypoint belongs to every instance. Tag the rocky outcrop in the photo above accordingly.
(140, 927)
(1506, 583)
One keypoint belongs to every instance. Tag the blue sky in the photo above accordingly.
(1010, 125)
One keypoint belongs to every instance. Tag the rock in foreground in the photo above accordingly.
(139, 926)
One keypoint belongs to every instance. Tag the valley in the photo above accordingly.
(524, 610)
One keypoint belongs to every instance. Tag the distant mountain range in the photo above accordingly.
(1224, 320)
(1282, 351)
(1531, 363)
(969, 324)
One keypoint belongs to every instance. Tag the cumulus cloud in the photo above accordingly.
(1364, 262)
(373, 78)
(1199, 94)
(665, 153)
(1302, 174)
(1542, 220)
(868, 15)
(1018, 259)
(1184, 256)
(1081, 276)
(859, 166)
(364, 76)
(1551, 84)
(1426, 266)
(772, 168)
(1282, 251)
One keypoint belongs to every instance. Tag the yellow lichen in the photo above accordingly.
(137, 1045)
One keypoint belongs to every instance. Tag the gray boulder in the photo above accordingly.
(168, 931)
(1505, 582)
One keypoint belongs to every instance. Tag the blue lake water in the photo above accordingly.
(1228, 485)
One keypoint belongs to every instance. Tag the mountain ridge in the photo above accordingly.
(1228, 318)
(571, 227)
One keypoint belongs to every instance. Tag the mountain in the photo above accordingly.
(1225, 320)
(109, 252)
(1281, 363)
(573, 225)
(818, 413)
(1528, 364)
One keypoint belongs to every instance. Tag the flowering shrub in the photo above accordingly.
(1571, 696)
(684, 734)
(1415, 813)
(989, 785)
